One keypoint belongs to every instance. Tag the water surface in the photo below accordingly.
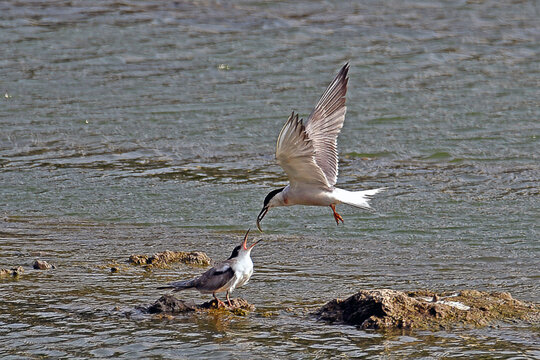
(135, 127)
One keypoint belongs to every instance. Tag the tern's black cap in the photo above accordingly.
(235, 252)
(270, 195)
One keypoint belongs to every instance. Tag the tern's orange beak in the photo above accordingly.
(244, 244)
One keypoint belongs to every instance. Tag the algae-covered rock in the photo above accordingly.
(138, 259)
(11, 272)
(168, 257)
(42, 265)
(238, 306)
(168, 304)
(423, 309)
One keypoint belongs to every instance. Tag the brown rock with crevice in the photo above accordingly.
(170, 305)
(387, 309)
(16, 271)
(42, 265)
(167, 257)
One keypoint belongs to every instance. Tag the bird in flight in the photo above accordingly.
(225, 276)
(308, 154)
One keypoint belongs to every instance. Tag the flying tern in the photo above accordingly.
(308, 154)
(225, 276)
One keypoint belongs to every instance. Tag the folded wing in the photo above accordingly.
(215, 278)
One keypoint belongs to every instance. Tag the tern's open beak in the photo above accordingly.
(260, 217)
(244, 244)
(255, 243)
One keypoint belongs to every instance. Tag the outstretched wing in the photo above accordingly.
(325, 123)
(308, 153)
(295, 154)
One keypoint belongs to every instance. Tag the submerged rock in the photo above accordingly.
(168, 304)
(168, 257)
(42, 265)
(386, 309)
(11, 272)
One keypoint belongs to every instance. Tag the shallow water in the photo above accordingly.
(135, 127)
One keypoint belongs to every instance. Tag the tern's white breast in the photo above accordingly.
(243, 269)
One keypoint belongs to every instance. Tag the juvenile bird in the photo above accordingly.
(225, 276)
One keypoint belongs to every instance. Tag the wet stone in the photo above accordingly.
(168, 257)
(169, 304)
(42, 265)
(424, 309)
(11, 272)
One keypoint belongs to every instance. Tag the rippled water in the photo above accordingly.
(134, 127)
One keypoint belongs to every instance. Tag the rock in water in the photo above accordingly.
(42, 265)
(168, 257)
(385, 309)
(11, 272)
(238, 306)
(168, 304)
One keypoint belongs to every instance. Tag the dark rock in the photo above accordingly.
(168, 257)
(168, 304)
(43, 265)
(384, 308)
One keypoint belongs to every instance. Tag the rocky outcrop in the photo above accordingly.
(170, 305)
(168, 257)
(386, 309)
(42, 265)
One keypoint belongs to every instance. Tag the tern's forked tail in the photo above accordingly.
(179, 285)
(356, 198)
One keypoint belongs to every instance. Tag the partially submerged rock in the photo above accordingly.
(168, 257)
(11, 272)
(386, 309)
(170, 305)
(42, 265)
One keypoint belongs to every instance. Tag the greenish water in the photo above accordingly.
(135, 127)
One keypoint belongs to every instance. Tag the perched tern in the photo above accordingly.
(308, 154)
(225, 276)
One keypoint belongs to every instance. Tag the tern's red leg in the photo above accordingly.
(337, 217)
(219, 302)
(228, 300)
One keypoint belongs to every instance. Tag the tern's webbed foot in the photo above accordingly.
(220, 303)
(337, 217)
